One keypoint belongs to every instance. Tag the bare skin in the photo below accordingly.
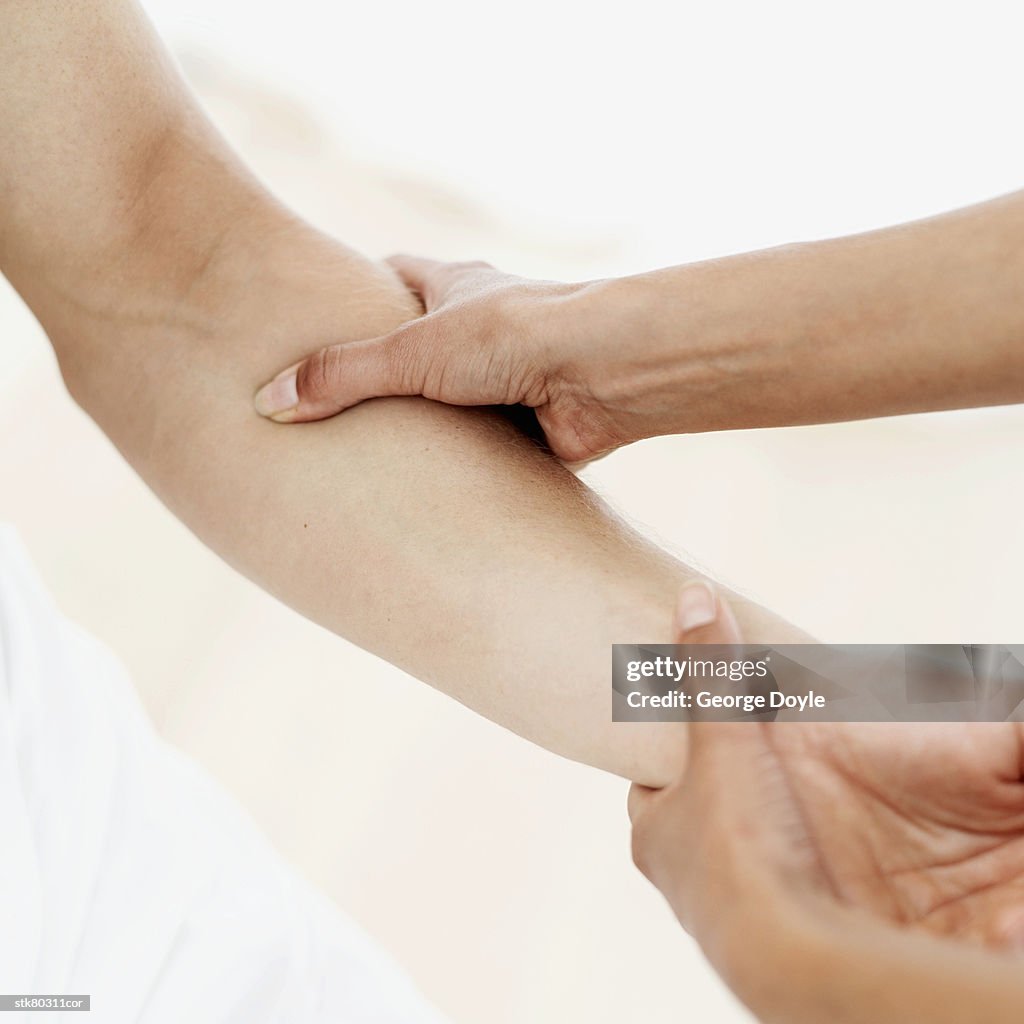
(171, 284)
(824, 868)
(923, 316)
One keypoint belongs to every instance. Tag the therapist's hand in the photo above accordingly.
(795, 852)
(487, 338)
(916, 317)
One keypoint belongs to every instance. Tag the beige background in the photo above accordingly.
(497, 874)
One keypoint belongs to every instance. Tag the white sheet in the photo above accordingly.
(128, 875)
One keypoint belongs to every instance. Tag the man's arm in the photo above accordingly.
(172, 285)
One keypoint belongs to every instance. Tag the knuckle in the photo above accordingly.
(404, 356)
(401, 346)
(573, 432)
(458, 279)
(470, 265)
(318, 376)
(505, 312)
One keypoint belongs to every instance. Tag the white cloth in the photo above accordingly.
(127, 874)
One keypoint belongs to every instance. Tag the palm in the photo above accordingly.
(921, 823)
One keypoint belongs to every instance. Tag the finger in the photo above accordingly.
(416, 273)
(703, 617)
(336, 378)
(433, 280)
(734, 763)
(1007, 930)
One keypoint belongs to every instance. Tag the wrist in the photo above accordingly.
(672, 351)
(797, 334)
(776, 953)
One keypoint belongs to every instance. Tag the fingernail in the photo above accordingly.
(279, 399)
(696, 607)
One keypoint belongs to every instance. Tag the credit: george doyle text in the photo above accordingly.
(819, 682)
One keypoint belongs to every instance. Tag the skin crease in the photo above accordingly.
(828, 858)
(923, 316)
(171, 284)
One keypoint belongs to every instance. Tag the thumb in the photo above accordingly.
(335, 378)
(702, 617)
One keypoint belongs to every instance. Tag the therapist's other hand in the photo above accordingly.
(487, 338)
(779, 830)
(729, 839)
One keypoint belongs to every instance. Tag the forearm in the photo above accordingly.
(924, 316)
(848, 969)
(172, 285)
(438, 538)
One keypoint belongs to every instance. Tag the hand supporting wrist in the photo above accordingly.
(829, 962)
(766, 956)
